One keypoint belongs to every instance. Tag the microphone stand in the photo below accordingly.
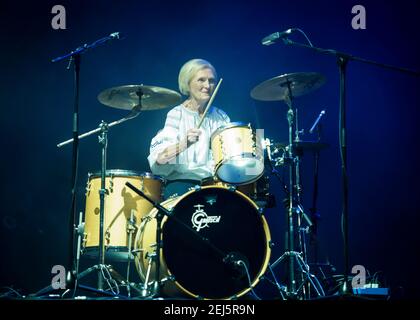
(75, 56)
(342, 60)
(314, 214)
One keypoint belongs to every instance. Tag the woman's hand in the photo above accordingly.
(193, 136)
(172, 151)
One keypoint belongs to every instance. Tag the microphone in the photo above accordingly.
(115, 35)
(271, 39)
(316, 121)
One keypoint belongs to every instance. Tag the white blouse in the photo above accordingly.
(196, 162)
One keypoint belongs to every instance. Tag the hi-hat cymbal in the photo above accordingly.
(127, 97)
(277, 88)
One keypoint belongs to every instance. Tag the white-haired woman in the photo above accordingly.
(180, 152)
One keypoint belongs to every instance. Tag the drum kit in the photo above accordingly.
(214, 240)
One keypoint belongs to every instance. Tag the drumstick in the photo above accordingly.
(209, 104)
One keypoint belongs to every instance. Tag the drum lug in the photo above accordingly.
(170, 210)
(169, 278)
(173, 196)
(107, 237)
(142, 184)
(111, 183)
(195, 188)
(88, 186)
(84, 241)
(271, 244)
(232, 188)
(146, 218)
(222, 145)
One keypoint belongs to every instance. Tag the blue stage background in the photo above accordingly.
(382, 116)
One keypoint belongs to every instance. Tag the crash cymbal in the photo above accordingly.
(126, 97)
(276, 89)
(303, 145)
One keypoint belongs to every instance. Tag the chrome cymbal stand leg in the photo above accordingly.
(146, 291)
(80, 230)
(310, 277)
(131, 228)
(103, 141)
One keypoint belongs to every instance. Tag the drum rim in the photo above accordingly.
(126, 173)
(267, 233)
(172, 202)
(217, 167)
(228, 126)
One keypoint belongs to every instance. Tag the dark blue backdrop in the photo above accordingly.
(37, 103)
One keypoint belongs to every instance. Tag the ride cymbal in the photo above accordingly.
(277, 88)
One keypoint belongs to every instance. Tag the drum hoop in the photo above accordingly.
(126, 173)
(174, 201)
(228, 126)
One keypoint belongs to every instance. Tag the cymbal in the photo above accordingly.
(126, 97)
(303, 145)
(276, 89)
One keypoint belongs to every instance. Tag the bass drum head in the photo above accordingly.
(233, 226)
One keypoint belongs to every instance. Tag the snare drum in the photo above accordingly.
(237, 153)
(120, 205)
(213, 241)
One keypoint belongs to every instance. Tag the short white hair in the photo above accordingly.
(188, 71)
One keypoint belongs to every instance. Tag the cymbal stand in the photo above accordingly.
(103, 141)
(294, 213)
(146, 292)
(75, 58)
(315, 216)
(105, 272)
(131, 228)
(342, 59)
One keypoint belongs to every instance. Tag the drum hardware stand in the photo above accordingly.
(342, 59)
(101, 268)
(103, 141)
(80, 231)
(75, 56)
(294, 208)
(155, 290)
(131, 228)
(315, 216)
(153, 257)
